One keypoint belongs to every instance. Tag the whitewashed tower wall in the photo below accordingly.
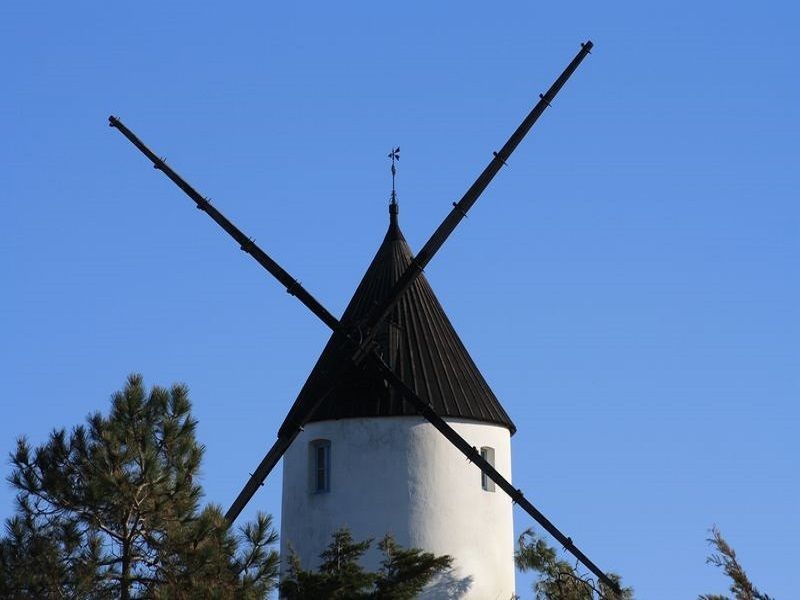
(399, 475)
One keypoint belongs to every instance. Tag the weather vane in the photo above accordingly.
(395, 156)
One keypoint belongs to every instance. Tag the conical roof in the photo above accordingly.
(417, 341)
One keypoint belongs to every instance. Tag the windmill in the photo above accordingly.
(359, 350)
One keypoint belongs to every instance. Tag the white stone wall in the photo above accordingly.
(399, 475)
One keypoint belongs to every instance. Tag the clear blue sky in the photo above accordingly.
(628, 286)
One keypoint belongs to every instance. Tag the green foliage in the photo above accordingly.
(725, 557)
(405, 572)
(340, 575)
(111, 510)
(559, 580)
(402, 575)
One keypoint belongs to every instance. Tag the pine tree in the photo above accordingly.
(402, 575)
(405, 572)
(558, 579)
(112, 510)
(340, 575)
(725, 557)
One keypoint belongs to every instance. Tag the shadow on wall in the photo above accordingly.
(447, 585)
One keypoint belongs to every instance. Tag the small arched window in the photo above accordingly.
(319, 463)
(487, 454)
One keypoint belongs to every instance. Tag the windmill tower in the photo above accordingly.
(367, 460)
(395, 363)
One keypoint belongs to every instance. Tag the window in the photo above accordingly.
(487, 454)
(319, 454)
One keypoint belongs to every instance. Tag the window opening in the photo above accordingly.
(320, 459)
(487, 454)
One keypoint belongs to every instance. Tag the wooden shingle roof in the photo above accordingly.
(418, 342)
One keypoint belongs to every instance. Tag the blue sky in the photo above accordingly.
(628, 286)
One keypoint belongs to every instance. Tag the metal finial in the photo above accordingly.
(395, 156)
